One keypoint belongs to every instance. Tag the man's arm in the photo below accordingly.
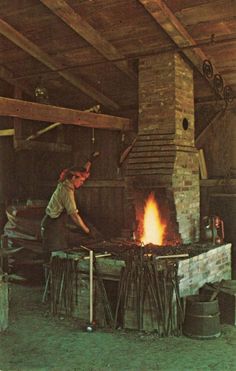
(79, 221)
(92, 158)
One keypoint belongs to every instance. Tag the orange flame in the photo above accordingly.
(153, 228)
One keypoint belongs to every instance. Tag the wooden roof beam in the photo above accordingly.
(47, 113)
(29, 47)
(172, 26)
(72, 19)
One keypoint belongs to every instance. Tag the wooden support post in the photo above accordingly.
(17, 122)
(3, 304)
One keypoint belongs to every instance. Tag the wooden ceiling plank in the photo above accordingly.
(172, 26)
(61, 9)
(211, 11)
(22, 42)
(47, 113)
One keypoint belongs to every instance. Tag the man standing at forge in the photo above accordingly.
(61, 204)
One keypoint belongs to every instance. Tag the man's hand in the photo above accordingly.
(79, 222)
(94, 156)
(95, 234)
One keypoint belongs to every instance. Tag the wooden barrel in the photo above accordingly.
(201, 318)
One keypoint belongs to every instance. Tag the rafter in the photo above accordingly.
(201, 137)
(44, 112)
(61, 9)
(172, 26)
(28, 46)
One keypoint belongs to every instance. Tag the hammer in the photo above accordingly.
(90, 327)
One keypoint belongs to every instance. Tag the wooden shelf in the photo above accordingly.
(217, 182)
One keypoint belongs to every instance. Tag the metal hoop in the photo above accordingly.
(207, 69)
(218, 83)
(228, 94)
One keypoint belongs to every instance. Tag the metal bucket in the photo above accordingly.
(202, 318)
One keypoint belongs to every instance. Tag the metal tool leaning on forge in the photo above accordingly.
(91, 325)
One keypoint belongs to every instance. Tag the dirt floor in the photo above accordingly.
(37, 341)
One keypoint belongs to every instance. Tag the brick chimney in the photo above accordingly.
(164, 158)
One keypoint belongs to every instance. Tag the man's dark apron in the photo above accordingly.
(54, 234)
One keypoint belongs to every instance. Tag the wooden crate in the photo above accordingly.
(149, 322)
(226, 298)
(152, 320)
(227, 304)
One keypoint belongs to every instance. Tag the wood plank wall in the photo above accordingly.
(101, 199)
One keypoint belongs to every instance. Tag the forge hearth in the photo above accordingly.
(134, 284)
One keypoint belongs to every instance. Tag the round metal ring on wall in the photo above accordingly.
(228, 94)
(218, 83)
(207, 69)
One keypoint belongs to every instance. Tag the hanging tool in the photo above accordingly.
(125, 154)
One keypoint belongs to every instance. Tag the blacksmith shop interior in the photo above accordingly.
(118, 173)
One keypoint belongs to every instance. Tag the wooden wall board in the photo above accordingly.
(202, 164)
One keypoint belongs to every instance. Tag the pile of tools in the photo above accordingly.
(148, 286)
(62, 275)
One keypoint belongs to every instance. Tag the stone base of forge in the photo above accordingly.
(212, 265)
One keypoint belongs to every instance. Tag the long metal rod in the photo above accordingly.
(209, 42)
(172, 256)
(97, 256)
(91, 286)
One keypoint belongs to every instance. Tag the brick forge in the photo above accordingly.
(164, 158)
(207, 264)
(211, 265)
